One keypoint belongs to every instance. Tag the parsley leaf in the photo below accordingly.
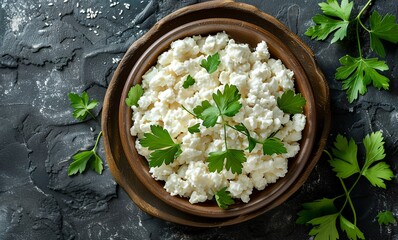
(81, 159)
(273, 145)
(165, 149)
(385, 218)
(336, 19)
(134, 95)
(211, 63)
(194, 128)
(351, 229)
(228, 101)
(227, 104)
(357, 73)
(79, 162)
(208, 113)
(81, 105)
(252, 142)
(317, 208)
(374, 146)
(96, 164)
(188, 82)
(290, 102)
(382, 28)
(223, 198)
(234, 159)
(378, 173)
(345, 162)
(324, 227)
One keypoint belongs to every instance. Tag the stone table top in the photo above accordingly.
(53, 47)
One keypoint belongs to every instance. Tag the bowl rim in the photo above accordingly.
(144, 176)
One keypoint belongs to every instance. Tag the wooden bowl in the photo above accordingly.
(245, 24)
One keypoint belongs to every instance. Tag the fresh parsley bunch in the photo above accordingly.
(324, 215)
(356, 73)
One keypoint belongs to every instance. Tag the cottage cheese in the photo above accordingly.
(260, 80)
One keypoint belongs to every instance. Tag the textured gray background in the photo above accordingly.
(48, 51)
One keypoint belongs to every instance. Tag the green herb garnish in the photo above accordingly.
(290, 102)
(86, 158)
(81, 105)
(188, 82)
(223, 198)
(233, 159)
(194, 128)
(335, 19)
(323, 214)
(386, 218)
(356, 72)
(165, 150)
(134, 95)
(211, 63)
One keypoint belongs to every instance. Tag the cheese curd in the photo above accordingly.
(260, 80)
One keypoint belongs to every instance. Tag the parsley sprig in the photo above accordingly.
(356, 73)
(227, 105)
(82, 106)
(84, 158)
(323, 214)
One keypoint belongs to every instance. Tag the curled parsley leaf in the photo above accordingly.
(165, 150)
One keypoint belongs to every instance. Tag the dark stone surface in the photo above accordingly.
(48, 50)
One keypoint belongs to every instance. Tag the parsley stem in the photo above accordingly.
(189, 111)
(89, 112)
(346, 192)
(247, 135)
(358, 40)
(225, 132)
(96, 142)
(348, 198)
(361, 12)
(359, 22)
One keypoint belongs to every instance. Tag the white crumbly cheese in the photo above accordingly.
(260, 81)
